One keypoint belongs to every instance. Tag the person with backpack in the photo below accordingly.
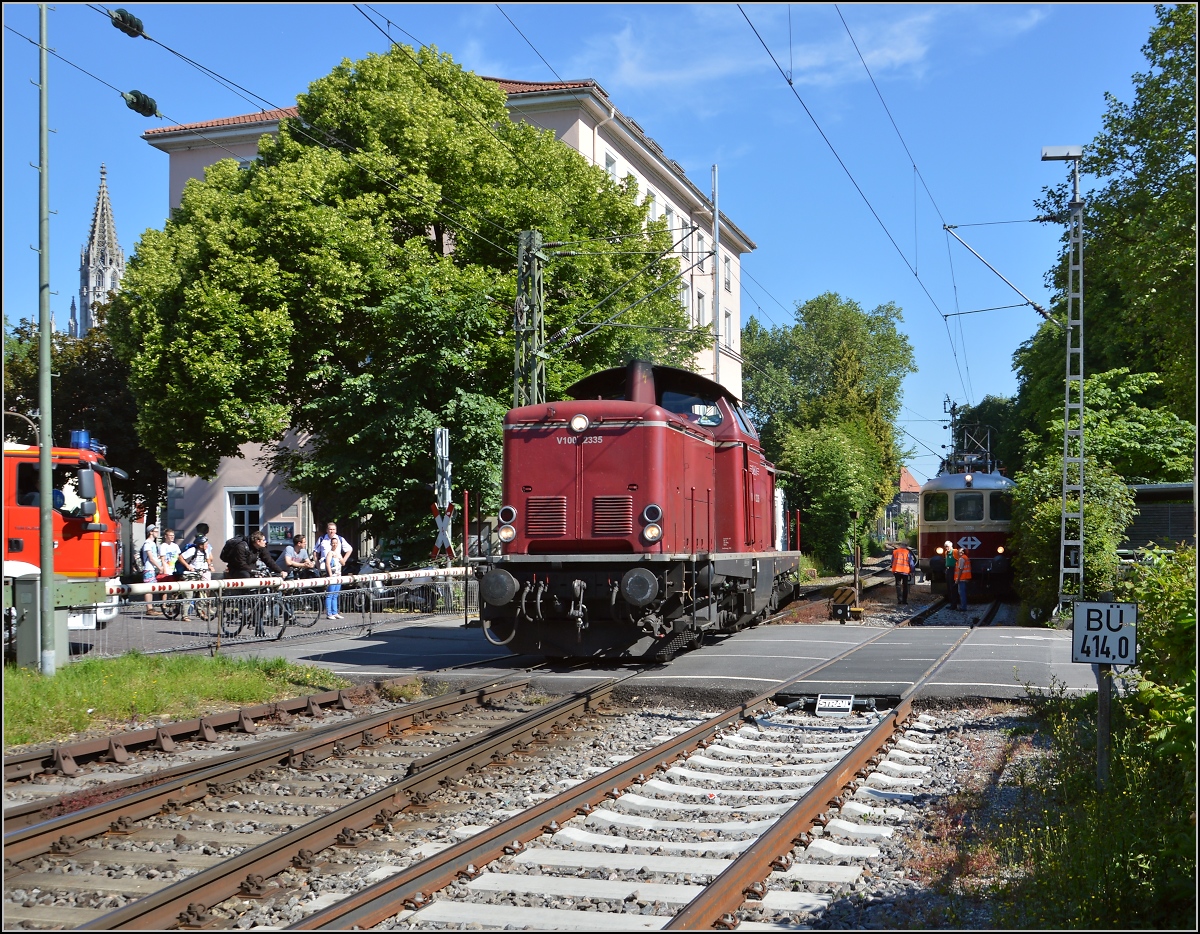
(241, 556)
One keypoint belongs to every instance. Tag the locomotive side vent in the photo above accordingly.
(545, 515)
(612, 515)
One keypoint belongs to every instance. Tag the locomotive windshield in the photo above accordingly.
(968, 507)
(1001, 506)
(696, 409)
(937, 507)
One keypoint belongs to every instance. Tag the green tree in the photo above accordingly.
(90, 390)
(824, 389)
(1036, 531)
(355, 284)
(1140, 249)
(1143, 445)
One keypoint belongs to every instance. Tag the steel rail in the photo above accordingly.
(726, 893)
(212, 886)
(416, 884)
(152, 793)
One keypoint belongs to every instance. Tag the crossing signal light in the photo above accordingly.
(141, 103)
(127, 23)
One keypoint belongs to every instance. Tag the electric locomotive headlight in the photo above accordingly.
(969, 478)
(652, 532)
(508, 515)
(999, 549)
(579, 423)
(506, 533)
(941, 550)
(652, 513)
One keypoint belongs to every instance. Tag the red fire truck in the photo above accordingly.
(87, 540)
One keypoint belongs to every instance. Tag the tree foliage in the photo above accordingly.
(354, 285)
(1140, 241)
(1036, 529)
(90, 389)
(825, 393)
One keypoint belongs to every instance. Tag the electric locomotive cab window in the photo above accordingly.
(937, 507)
(744, 422)
(1001, 507)
(695, 409)
(968, 507)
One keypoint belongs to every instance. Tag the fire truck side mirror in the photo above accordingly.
(87, 484)
(88, 509)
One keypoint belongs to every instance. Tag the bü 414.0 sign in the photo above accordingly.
(1104, 633)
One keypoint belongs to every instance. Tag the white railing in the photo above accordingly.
(426, 575)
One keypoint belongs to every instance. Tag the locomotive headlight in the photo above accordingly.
(506, 533)
(941, 550)
(508, 515)
(652, 513)
(653, 532)
(579, 423)
(999, 549)
(969, 478)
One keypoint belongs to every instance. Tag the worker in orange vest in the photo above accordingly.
(902, 568)
(962, 574)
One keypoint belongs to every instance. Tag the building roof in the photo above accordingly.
(263, 116)
(908, 483)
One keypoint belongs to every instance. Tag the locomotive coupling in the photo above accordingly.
(498, 587)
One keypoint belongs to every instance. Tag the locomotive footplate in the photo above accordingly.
(633, 606)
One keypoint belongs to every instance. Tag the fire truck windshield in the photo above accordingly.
(67, 498)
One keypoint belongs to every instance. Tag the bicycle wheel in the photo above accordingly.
(233, 619)
(306, 609)
(170, 608)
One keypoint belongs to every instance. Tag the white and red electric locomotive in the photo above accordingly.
(969, 504)
(636, 517)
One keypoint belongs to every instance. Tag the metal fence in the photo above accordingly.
(213, 615)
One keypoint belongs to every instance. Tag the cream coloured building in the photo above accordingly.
(583, 117)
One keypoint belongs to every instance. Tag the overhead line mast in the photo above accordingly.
(1071, 536)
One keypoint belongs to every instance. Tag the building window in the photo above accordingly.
(700, 310)
(610, 165)
(700, 251)
(245, 511)
(728, 275)
(687, 243)
(669, 213)
(729, 330)
(652, 205)
(685, 298)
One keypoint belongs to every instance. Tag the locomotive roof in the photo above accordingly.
(610, 384)
(958, 481)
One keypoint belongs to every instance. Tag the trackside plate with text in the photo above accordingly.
(834, 705)
(1104, 633)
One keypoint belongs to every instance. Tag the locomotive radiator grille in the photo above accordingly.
(545, 515)
(612, 515)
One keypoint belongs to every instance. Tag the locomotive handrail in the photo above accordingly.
(434, 575)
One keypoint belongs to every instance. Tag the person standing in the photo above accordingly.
(950, 553)
(334, 551)
(962, 574)
(324, 543)
(902, 569)
(152, 566)
(168, 554)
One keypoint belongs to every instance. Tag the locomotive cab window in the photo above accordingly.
(937, 507)
(696, 409)
(744, 422)
(968, 507)
(1001, 507)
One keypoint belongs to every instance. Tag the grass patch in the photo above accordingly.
(408, 691)
(97, 693)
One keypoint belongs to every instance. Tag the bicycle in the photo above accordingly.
(203, 607)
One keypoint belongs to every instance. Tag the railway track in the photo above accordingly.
(230, 856)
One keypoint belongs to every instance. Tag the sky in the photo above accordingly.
(975, 90)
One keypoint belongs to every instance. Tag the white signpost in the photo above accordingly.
(1104, 633)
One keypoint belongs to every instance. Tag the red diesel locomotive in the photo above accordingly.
(636, 518)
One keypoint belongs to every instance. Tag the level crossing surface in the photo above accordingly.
(993, 662)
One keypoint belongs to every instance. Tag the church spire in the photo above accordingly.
(101, 261)
(73, 325)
